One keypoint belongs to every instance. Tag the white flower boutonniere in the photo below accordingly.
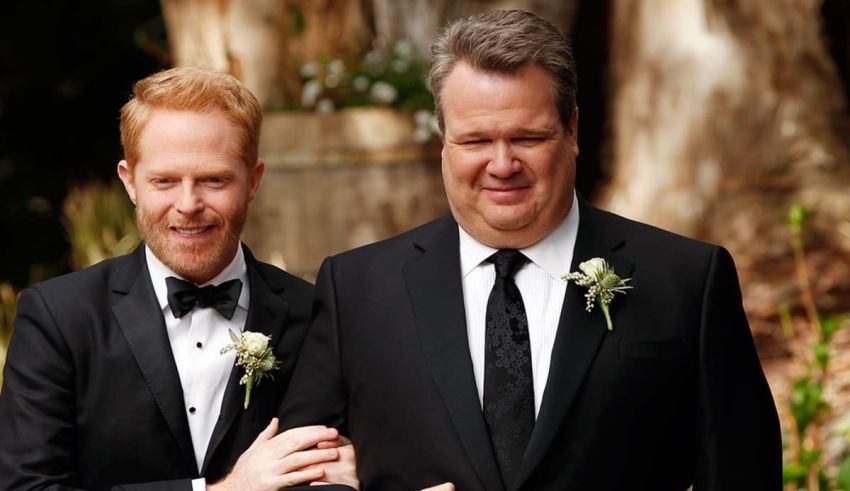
(253, 353)
(601, 282)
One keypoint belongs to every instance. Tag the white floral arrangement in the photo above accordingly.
(254, 354)
(601, 282)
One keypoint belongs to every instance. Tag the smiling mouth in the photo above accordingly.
(507, 196)
(191, 230)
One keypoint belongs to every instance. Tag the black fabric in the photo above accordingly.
(508, 383)
(184, 296)
(92, 398)
(674, 396)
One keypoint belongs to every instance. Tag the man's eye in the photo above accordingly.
(215, 180)
(479, 141)
(163, 181)
(528, 140)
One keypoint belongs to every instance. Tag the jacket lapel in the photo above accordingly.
(266, 314)
(139, 317)
(434, 285)
(577, 340)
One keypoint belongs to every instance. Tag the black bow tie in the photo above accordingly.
(184, 296)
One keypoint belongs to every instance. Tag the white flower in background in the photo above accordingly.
(309, 70)
(383, 93)
(310, 93)
(400, 66)
(360, 83)
(373, 57)
(403, 49)
(435, 126)
(325, 106)
(336, 67)
(424, 126)
(332, 80)
(421, 134)
(422, 117)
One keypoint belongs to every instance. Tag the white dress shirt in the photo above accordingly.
(542, 289)
(196, 340)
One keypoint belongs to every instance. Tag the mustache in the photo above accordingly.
(202, 221)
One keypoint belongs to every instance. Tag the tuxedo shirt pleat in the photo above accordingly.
(542, 289)
(196, 340)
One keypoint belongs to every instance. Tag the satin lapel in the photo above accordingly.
(434, 285)
(578, 339)
(140, 319)
(266, 314)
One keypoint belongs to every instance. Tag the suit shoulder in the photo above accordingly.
(649, 236)
(280, 278)
(91, 280)
(400, 246)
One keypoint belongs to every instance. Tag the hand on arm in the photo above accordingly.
(276, 461)
(342, 470)
(446, 486)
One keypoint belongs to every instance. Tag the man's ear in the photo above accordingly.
(255, 177)
(573, 129)
(126, 176)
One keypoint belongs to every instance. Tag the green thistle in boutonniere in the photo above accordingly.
(253, 353)
(601, 282)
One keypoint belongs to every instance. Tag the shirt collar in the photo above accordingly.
(553, 254)
(236, 270)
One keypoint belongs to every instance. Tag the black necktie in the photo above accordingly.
(184, 296)
(508, 386)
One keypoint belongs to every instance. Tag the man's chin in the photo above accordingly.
(197, 262)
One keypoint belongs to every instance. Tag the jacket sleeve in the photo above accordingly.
(37, 407)
(37, 402)
(738, 444)
(317, 393)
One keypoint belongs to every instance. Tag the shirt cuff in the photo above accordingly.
(199, 484)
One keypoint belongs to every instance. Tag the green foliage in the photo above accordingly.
(8, 308)
(796, 220)
(99, 222)
(797, 472)
(797, 216)
(829, 326)
(843, 479)
(808, 406)
(299, 22)
(806, 403)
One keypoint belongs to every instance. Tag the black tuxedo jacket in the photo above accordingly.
(673, 395)
(92, 398)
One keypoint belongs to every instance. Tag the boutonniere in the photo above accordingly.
(253, 353)
(601, 282)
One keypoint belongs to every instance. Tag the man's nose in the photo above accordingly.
(190, 200)
(503, 163)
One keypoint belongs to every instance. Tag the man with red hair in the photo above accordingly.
(116, 375)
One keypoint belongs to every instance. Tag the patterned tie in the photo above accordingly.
(508, 385)
(184, 296)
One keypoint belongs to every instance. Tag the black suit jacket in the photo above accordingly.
(92, 398)
(673, 395)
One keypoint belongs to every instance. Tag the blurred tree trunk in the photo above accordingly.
(263, 42)
(420, 21)
(724, 113)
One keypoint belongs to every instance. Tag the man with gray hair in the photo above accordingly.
(456, 353)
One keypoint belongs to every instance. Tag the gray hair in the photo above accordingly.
(506, 42)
